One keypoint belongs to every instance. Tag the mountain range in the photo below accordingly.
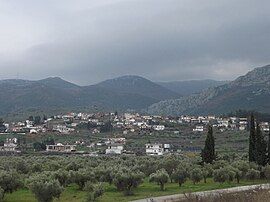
(249, 92)
(127, 92)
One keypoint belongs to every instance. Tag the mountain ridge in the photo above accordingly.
(54, 92)
(248, 92)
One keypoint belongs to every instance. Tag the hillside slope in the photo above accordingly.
(191, 86)
(248, 92)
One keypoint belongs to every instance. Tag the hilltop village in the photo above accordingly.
(118, 134)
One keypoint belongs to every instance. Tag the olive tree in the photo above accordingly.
(93, 191)
(169, 164)
(161, 177)
(126, 180)
(81, 176)
(180, 175)
(2, 194)
(253, 174)
(62, 176)
(207, 171)
(238, 175)
(196, 175)
(9, 181)
(266, 171)
(220, 175)
(104, 174)
(44, 187)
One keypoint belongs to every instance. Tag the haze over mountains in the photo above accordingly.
(251, 92)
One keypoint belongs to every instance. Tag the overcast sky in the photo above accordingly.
(86, 41)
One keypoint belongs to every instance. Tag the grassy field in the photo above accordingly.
(145, 190)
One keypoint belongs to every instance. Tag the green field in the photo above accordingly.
(145, 190)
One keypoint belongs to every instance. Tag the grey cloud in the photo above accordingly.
(88, 41)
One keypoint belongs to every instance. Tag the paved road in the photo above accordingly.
(177, 197)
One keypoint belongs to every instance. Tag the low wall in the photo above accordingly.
(179, 197)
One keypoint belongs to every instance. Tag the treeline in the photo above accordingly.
(46, 177)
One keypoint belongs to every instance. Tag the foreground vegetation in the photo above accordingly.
(145, 190)
(74, 178)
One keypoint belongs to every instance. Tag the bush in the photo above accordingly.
(161, 177)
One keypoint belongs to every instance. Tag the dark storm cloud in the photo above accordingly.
(88, 41)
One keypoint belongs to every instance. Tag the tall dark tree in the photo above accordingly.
(268, 148)
(252, 140)
(208, 152)
(37, 120)
(261, 147)
(2, 125)
(31, 118)
(107, 127)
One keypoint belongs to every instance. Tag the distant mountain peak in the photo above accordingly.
(127, 78)
(57, 82)
(257, 76)
(138, 85)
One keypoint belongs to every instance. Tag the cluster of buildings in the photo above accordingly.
(124, 124)
(127, 123)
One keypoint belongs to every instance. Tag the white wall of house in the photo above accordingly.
(117, 149)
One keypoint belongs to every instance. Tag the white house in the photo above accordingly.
(9, 145)
(264, 126)
(33, 131)
(115, 149)
(198, 129)
(60, 148)
(159, 127)
(62, 129)
(154, 149)
(243, 123)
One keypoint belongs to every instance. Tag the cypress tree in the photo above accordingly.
(261, 147)
(268, 148)
(252, 140)
(208, 152)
